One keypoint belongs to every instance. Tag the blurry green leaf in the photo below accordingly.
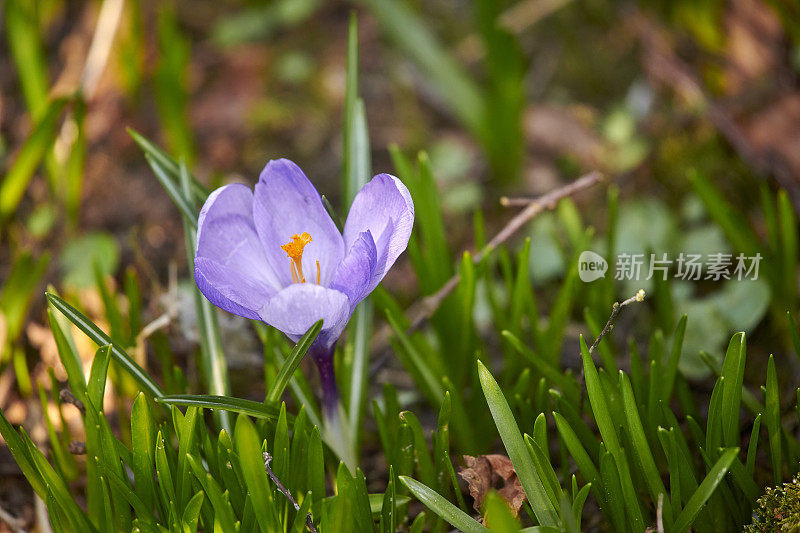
(772, 419)
(27, 49)
(80, 257)
(259, 23)
(171, 83)
(29, 156)
(415, 39)
(18, 290)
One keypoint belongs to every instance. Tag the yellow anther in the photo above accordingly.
(294, 250)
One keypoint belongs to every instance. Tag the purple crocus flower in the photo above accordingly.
(275, 254)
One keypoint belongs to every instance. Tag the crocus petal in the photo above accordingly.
(383, 207)
(286, 203)
(356, 271)
(230, 267)
(295, 309)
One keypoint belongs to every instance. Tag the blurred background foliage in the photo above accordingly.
(690, 109)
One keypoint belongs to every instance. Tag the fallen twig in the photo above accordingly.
(285, 492)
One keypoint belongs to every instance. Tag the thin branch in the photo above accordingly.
(424, 308)
(615, 309)
(285, 492)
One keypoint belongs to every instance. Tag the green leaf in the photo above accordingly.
(223, 512)
(719, 209)
(752, 447)
(733, 372)
(388, 519)
(88, 257)
(674, 358)
(19, 288)
(29, 156)
(606, 425)
(97, 377)
(517, 451)
(101, 339)
(551, 373)
(416, 364)
(292, 362)
(497, 514)
(705, 490)
(19, 451)
(439, 505)
(143, 450)
(641, 447)
(225, 403)
(165, 161)
(255, 475)
(458, 90)
(772, 418)
(57, 487)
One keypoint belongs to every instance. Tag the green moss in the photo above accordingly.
(778, 509)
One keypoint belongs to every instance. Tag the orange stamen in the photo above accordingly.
(317, 271)
(294, 250)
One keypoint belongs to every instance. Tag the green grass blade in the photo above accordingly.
(29, 156)
(252, 463)
(752, 447)
(224, 403)
(705, 490)
(101, 339)
(199, 192)
(143, 450)
(733, 372)
(772, 419)
(442, 507)
(641, 447)
(671, 369)
(607, 427)
(175, 191)
(517, 451)
(412, 35)
(292, 362)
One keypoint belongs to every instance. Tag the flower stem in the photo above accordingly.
(323, 357)
(334, 418)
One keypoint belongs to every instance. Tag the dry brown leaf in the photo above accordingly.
(486, 472)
